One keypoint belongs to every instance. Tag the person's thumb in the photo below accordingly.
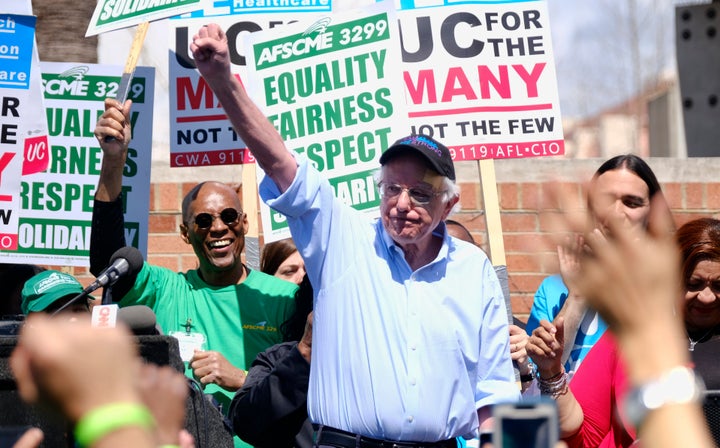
(560, 327)
(30, 439)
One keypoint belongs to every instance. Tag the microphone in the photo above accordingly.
(140, 319)
(126, 260)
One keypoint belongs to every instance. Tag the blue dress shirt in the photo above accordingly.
(397, 354)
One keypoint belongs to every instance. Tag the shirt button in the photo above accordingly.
(413, 347)
(412, 381)
(410, 418)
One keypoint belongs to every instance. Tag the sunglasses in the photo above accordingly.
(205, 220)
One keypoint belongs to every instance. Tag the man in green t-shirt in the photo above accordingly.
(222, 313)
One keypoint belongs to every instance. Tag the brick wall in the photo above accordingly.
(530, 254)
(690, 186)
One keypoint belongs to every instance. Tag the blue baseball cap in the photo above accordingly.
(437, 154)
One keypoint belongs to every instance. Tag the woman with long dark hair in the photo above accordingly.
(590, 408)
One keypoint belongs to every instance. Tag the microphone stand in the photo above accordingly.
(82, 295)
(107, 295)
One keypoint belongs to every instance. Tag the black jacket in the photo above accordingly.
(270, 410)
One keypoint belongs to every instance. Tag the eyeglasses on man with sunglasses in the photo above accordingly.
(417, 195)
(229, 216)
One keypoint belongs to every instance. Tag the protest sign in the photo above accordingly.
(331, 91)
(243, 7)
(481, 78)
(23, 131)
(56, 205)
(200, 133)
(112, 15)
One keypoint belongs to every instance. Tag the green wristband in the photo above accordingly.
(103, 420)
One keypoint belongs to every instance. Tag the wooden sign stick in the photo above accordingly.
(131, 62)
(492, 211)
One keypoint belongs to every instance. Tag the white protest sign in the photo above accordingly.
(332, 91)
(481, 78)
(200, 133)
(23, 131)
(112, 15)
(56, 205)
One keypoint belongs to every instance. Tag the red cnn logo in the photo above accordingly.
(104, 316)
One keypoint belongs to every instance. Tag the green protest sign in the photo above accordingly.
(112, 15)
(55, 207)
(332, 91)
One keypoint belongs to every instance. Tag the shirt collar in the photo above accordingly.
(447, 245)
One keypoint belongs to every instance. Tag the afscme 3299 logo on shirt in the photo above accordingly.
(260, 326)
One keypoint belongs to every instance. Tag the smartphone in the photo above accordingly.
(526, 424)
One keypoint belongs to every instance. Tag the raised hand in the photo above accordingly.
(210, 50)
(114, 123)
(545, 347)
(164, 391)
(69, 365)
(569, 259)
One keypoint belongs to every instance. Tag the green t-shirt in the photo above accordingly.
(238, 321)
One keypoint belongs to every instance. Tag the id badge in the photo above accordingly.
(188, 342)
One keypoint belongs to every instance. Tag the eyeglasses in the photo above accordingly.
(418, 196)
(205, 220)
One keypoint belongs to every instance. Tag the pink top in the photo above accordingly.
(600, 385)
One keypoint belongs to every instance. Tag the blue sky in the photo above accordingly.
(592, 55)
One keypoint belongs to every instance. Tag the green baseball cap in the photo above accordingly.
(43, 289)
